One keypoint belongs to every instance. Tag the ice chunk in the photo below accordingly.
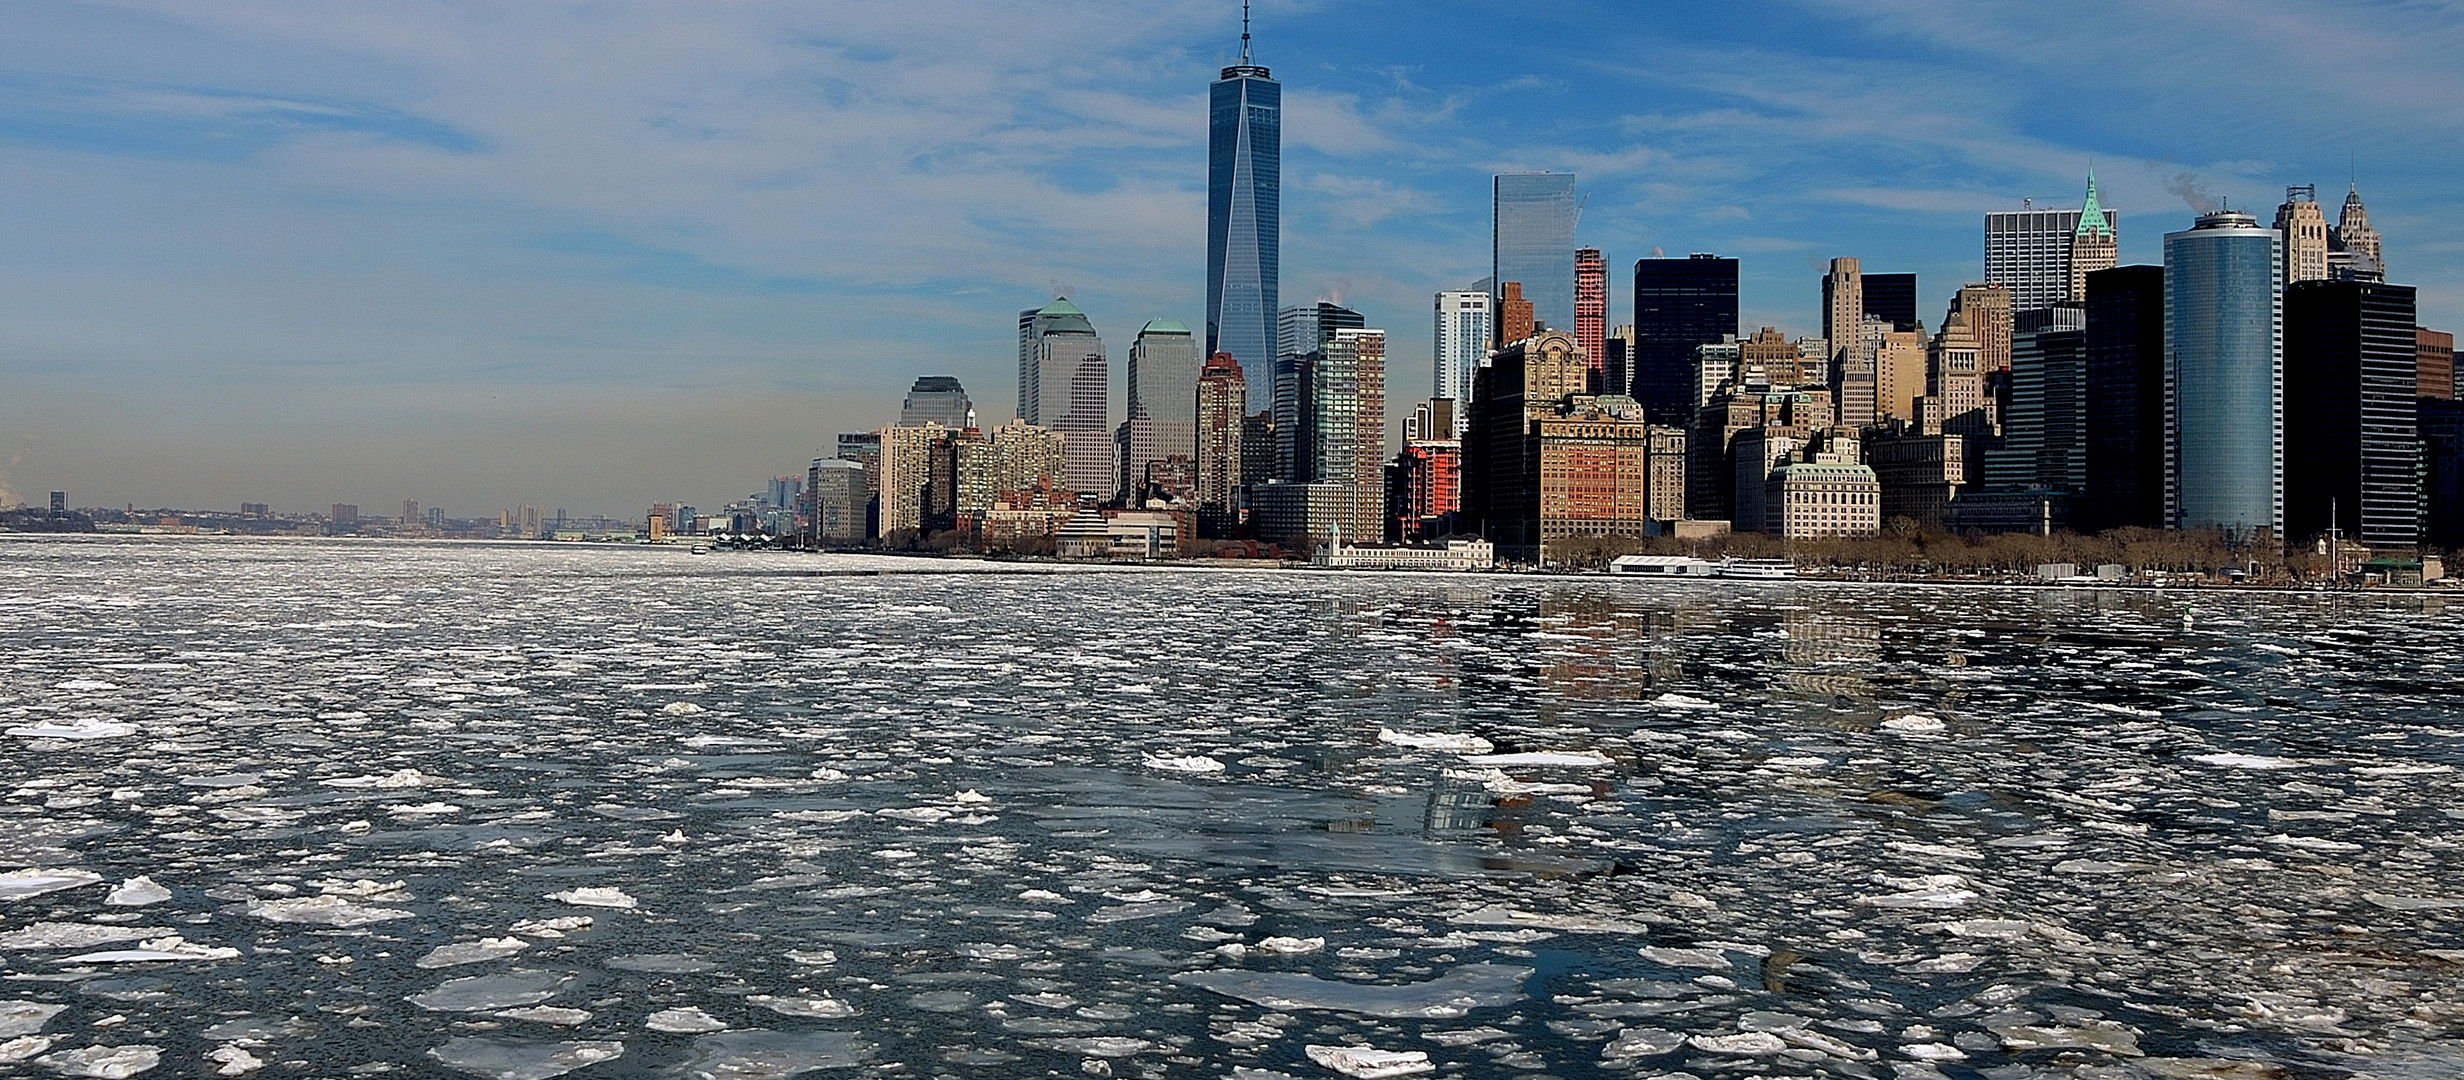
(1291, 946)
(681, 708)
(1934, 1051)
(2105, 1035)
(471, 952)
(23, 1047)
(1682, 701)
(334, 911)
(399, 778)
(103, 1062)
(81, 729)
(1914, 724)
(547, 1014)
(970, 796)
(1501, 915)
(596, 896)
(1747, 1043)
(685, 1020)
(517, 1059)
(1100, 1046)
(480, 993)
(1368, 1064)
(1435, 740)
(235, 1061)
(2411, 903)
(2248, 761)
(822, 1008)
(1641, 1042)
(173, 947)
(35, 881)
(774, 1055)
(1195, 764)
(551, 928)
(26, 1017)
(1569, 758)
(1932, 891)
(1454, 994)
(1713, 959)
(62, 935)
(137, 892)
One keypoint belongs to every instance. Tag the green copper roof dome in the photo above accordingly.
(1060, 305)
(1164, 326)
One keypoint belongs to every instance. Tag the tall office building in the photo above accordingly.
(1620, 361)
(937, 399)
(2125, 342)
(1852, 374)
(1680, 305)
(2350, 371)
(2434, 363)
(2304, 227)
(2355, 252)
(2094, 245)
(2044, 432)
(1532, 241)
(1514, 317)
(838, 501)
(1522, 384)
(1301, 334)
(1348, 418)
(1223, 394)
(1591, 313)
(2029, 251)
(1465, 324)
(1064, 385)
(1163, 389)
(2224, 376)
(1892, 297)
(1244, 201)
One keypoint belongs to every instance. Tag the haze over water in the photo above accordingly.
(923, 819)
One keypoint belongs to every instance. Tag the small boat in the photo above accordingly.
(699, 550)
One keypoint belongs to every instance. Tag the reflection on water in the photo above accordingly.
(633, 814)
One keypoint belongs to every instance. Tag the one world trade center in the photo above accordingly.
(1244, 199)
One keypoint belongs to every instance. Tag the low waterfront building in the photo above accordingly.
(1457, 553)
(1119, 534)
(1662, 566)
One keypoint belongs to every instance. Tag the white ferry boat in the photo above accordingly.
(1733, 567)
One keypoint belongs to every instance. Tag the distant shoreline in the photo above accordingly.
(1048, 564)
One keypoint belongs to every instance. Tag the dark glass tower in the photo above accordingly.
(2350, 440)
(1244, 200)
(2125, 400)
(1893, 297)
(1679, 305)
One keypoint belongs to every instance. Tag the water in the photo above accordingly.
(517, 811)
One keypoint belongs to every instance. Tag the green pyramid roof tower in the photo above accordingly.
(2092, 216)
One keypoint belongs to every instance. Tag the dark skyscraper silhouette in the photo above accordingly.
(2349, 423)
(1893, 297)
(1244, 199)
(2125, 400)
(1679, 305)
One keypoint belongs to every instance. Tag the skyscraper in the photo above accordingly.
(1301, 335)
(1514, 318)
(2224, 376)
(1163, 388)
(1464, 326)
(937, 399)
(2094, 245)
(1892, 297)
(1349, 418)
(1064, 385)
(2029, 251)
(1244, 200)
(1591, 314)
(1223, 393)
(2125, 400)
(1679, 305)
(2362, 256)
(2349, 425)
(1532, 241)
(2304, 227)
(1852, 352)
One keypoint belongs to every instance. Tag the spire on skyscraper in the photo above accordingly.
(2092, 215)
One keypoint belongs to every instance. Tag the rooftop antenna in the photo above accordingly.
(1244, 33)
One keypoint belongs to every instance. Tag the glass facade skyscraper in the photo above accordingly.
(1244, 223)
(1679, 305)
(1532, 242)
(2224, 376)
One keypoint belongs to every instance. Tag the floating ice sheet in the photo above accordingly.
(516, 1059)
(1454, 994)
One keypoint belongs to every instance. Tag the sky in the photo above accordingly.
(596, 255)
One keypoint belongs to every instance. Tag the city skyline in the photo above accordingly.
(324, 264)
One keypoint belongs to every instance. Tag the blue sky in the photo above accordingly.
(596, 255)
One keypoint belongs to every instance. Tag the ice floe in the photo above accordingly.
(596, 896)
(1364, 1063)
(515, 1059)
(20, 884)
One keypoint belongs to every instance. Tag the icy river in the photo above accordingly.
(326, 809)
